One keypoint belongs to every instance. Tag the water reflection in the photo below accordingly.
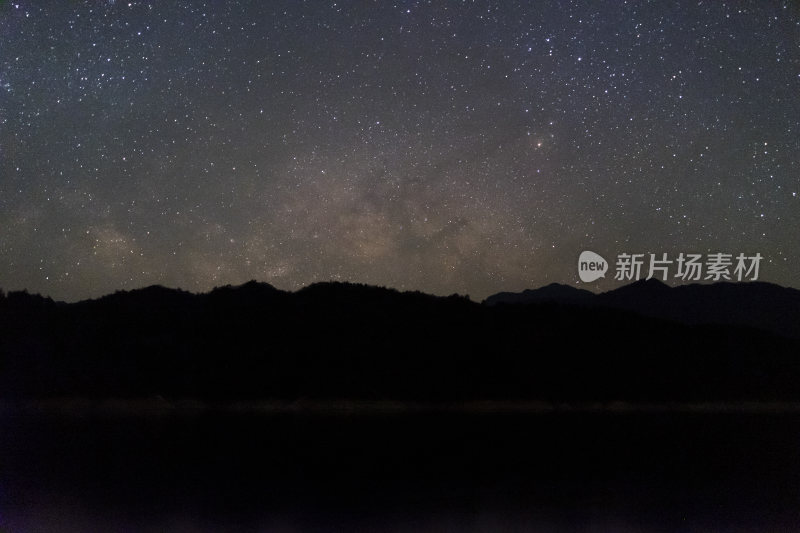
(399, 469)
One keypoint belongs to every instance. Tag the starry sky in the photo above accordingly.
(441, 146)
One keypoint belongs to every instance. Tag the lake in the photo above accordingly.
(399, 470)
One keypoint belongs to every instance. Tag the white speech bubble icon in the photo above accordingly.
(591, 266)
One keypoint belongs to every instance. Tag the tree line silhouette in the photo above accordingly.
(352, 341)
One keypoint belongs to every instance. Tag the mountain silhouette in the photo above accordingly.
(645, 342)
(555, 292)
(759, 305)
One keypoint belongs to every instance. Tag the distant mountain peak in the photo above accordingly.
(753, 304)
(642, 285)
(552, 292)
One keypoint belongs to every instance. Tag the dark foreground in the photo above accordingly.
(193, 470)
(337, 340)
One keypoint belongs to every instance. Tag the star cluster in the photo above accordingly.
(466, 147)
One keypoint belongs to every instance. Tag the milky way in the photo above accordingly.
(466, 147)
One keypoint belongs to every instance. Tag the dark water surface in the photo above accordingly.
(418, 471)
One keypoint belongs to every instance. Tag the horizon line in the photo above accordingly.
(578, 287)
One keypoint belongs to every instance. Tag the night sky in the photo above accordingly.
(466, 147)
